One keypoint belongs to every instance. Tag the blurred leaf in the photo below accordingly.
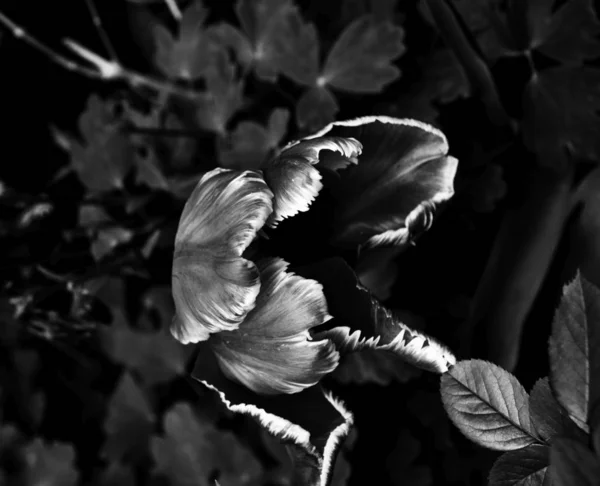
(108, 239)
(574, 349)
(315, 108)
(488, 405)
(106, 156)
(50, 464)
(223, 96)
(523, 467)
(129, 422)
(568, 34)
(193, 451)
(189, 55)
(156, 356)
(116, 474)
(573, 464)
(360, 60)
(547, 416)
(148, 170)
(401, 462)
(561, 114)
(250, 143)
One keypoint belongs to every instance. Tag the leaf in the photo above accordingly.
(523, 467)
(189, 55)
(223, 96)
(50, 464)
(488, 405)
(108, 239)
(129, 422)
(569, 34)
(193, 451)
(360, 60)
(249, 144)
(561, 106)
(402, 463)
(106, 156)
(547, 416)
(315, 108)
(573, 464)
(156, 356)
(574, 349)
(116, 474)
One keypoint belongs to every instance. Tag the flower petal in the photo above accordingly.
(311, 421)
(294, 180)
(362, 323)
(272, 351)
(213, 286)
(403, 173)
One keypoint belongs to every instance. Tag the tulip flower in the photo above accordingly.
(268, 331)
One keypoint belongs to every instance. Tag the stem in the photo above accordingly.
(520, 259)
(474, 65)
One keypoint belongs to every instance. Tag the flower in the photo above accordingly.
(268, 335)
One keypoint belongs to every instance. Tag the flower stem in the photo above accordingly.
(519, 262)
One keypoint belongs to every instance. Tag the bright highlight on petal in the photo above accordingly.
(213, 286)
(403, 174)
(293, 178)
(272, 351)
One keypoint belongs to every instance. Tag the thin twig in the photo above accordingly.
(101, 30)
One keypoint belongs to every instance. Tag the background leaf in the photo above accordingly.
(573, 463)
(50, 464)
(523, 467)
(488, 405)
(574, 349)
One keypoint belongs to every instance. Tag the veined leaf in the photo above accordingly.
(523, 467)
(574, 349)
(488, 405)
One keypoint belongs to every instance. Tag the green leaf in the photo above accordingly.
(129, 422)
(523, 467)
(116, 474)
(106, 155)
(360, 60)
(574, 349)
(560, 106)
(549, 419)
(156, 355)
(50, 464)
(189, 55)
(249, 144)
(315, 108)
(488, 405)
(569, 34)
(193, 451)
(573, 464)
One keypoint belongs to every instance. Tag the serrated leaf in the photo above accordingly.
(249, 144)
(360, 60)
(569, 35)
(574, 349)
(193, 451)
(129, 422)
(488, 405)
(573, 464)
(49, 464)
(523, 467)
(106, 155)
(561, 114)
(547, 416)
(156, 356)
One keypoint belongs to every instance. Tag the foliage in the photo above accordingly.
(93, 389)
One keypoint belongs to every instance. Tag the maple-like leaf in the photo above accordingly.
(193, 450)
(249, 144)
(129, 422)
(105, 156)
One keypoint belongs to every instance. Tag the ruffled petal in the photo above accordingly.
(213, 286)
(361, 323)
(403, 173)
(293, 179)
(272, 351)
(312, 422)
